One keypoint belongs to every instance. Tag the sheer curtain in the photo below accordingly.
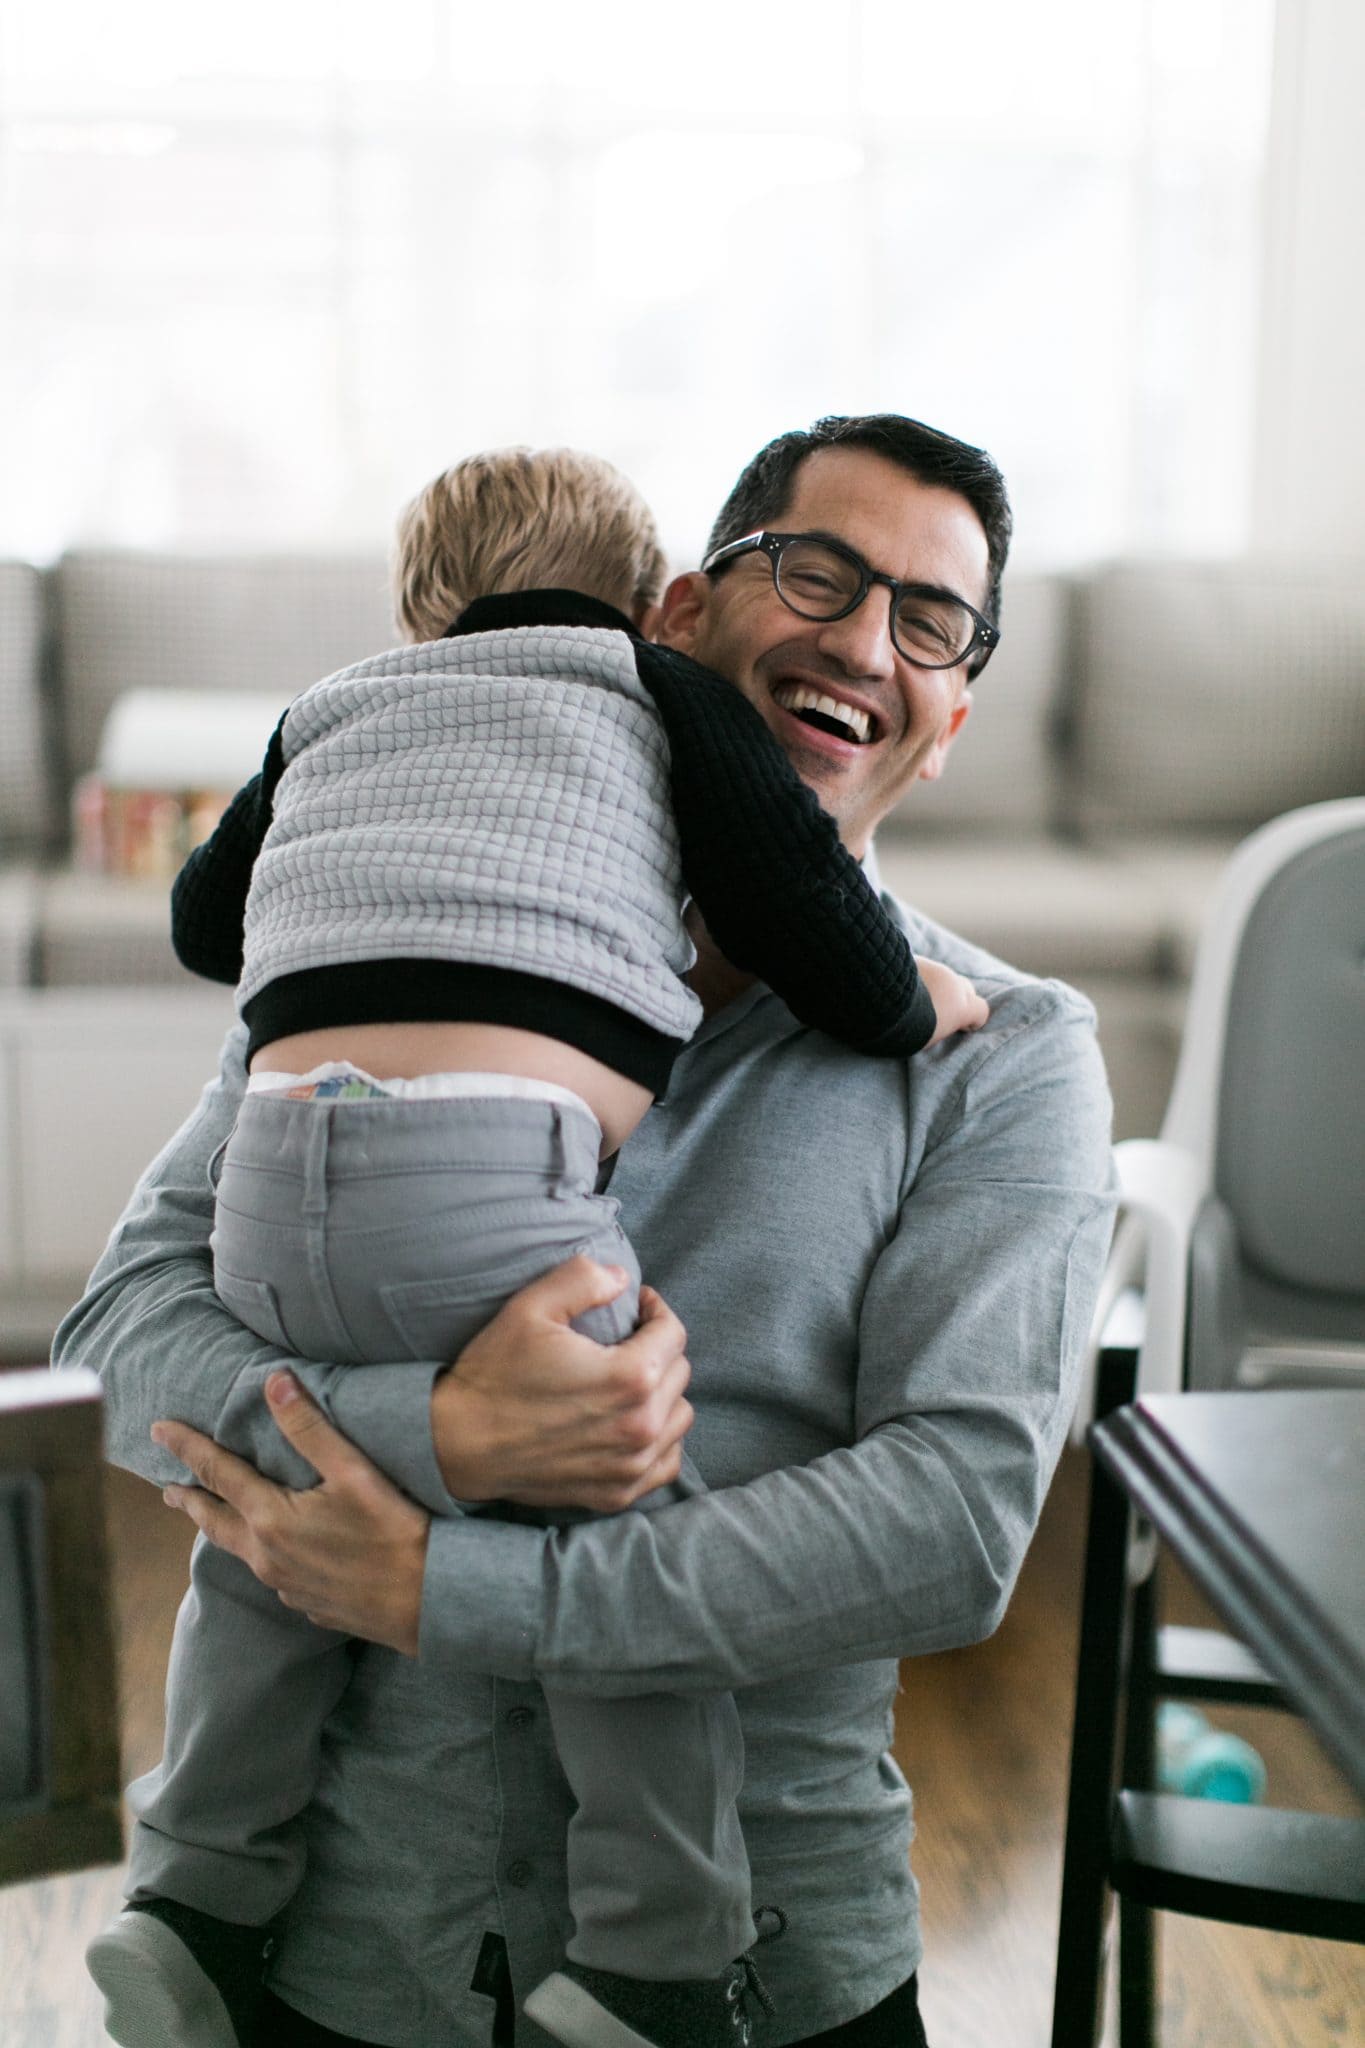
(263, 270)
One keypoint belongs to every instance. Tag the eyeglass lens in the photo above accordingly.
(820, 583)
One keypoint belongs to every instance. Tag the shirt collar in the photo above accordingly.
(511, 608)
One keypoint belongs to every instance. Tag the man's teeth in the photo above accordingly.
(798, 697)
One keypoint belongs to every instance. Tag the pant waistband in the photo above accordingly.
(384, 1134)
(341, 1081)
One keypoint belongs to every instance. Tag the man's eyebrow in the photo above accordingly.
(908, 583)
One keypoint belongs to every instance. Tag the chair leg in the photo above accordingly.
(1076, 2011)
(1137, 1922)
(1137, 1975)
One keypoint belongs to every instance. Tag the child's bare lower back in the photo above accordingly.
(394, 1052)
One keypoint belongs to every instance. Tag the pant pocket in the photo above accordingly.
(255, 1303)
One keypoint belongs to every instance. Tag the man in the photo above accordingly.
(886, 1272)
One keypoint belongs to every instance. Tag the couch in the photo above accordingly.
(1136, 721)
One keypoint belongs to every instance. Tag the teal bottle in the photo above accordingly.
(1203, 1762)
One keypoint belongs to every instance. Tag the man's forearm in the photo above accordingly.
(795, 1571)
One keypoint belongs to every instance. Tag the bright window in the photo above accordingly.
(266, 269)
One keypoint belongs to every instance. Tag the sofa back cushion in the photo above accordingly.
(1002, 775)
(268, 623)
(26, 796)
(1215, 695)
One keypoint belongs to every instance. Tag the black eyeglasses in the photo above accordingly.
(822, 579)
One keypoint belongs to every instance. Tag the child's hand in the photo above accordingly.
(958, 1006)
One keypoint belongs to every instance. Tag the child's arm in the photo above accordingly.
(208, 897)
(781, 895)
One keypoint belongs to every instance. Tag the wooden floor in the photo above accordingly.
(983, 1736)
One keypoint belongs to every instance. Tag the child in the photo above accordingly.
(452, 903)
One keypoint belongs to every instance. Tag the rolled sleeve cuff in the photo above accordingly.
(482, 1593)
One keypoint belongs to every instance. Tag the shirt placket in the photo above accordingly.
(534, 1809)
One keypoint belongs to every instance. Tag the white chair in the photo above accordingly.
(1245, 1219)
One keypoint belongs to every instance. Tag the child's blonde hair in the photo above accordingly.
(523, 519)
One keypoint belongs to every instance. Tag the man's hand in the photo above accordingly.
(350, 1552)
(533, 1412)
(956, 1003)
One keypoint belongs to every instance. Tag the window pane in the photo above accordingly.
(264, 272)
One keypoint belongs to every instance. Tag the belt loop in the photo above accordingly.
(318, 1125)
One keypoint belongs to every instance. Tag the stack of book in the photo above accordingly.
(169, 763)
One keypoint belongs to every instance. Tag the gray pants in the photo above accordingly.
(362, 1231)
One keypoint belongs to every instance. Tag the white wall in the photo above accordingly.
(1309, 495)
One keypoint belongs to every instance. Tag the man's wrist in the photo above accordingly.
(462, 1459)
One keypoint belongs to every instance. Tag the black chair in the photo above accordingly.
(1245, 1229)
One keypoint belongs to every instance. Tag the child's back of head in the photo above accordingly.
(523, 519)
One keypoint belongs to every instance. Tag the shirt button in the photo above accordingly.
(520, 1874)
(521, 1717)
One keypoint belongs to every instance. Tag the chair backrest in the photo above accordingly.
(1289, 1160)
(1193, 1113)
(1267, 1104)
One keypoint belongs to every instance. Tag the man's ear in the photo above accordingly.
(935, 761)
(678, 618)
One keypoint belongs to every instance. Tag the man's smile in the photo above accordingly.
(827, 711)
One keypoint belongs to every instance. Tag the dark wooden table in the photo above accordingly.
(1262, 1498)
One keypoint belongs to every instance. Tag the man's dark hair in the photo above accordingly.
(765, 486)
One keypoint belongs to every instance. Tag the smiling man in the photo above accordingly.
(886, 1270)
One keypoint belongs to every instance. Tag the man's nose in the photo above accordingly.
(861, 641)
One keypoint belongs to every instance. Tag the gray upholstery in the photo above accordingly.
(103, 932)
(26, 798)
(1217, 1323)
(1179, 877)
(1071, 911)
(1277, 1253)
(1290, 1161)
(19, 915)
(1212, 696)
(176, 622)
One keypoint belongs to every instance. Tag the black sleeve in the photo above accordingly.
(208, 897)
(781, 895)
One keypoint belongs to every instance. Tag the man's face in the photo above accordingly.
(737, 624)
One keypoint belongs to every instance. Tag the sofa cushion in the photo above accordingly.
(269, 623)
(1182, 875)
(18, 925)
(1046, 908)
(1212, 696)
(26, 796)
(1002, 776)
(103, 931)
